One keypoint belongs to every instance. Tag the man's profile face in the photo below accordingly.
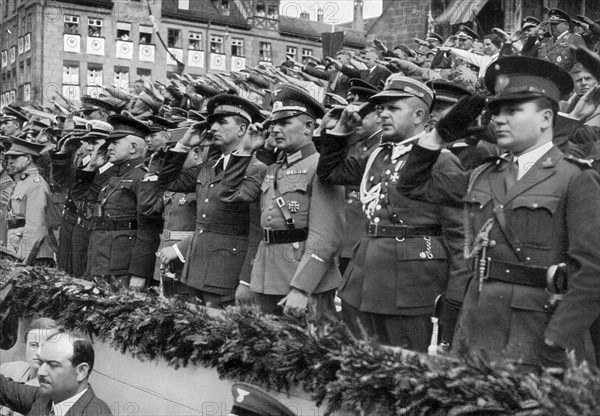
(119, 150)
(58, 377)
(288, 133)
(517, 125)
(465, 43)
(397, 118)
(370, 59)
(558, 28)
(156, 140)
(584, 81)
(10, 128)
(489, 48)
(225, 132)
(17, 164)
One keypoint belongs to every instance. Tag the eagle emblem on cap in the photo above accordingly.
(277, 105)
(241, 395)
(88, 126)
(501, 83)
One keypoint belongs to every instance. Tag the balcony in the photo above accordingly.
(146, 52)
(124, 49)
(196, 58)
(218, 62)
(95, 45)
(71, 43)
(177, 53)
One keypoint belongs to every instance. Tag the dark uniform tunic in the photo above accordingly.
(120, 243)
(309, 265)
(216, 253)
(551, 215)
(557, 51)
(397, 276)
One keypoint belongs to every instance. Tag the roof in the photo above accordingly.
(205, 11)
(309, 29)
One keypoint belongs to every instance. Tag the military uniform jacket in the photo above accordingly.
(356, 221)
(553, 212)
(122, 251)
(6, 189)
(388, 275)
(28, 202)
(28, 401)
(216, 254)
(559, 51)
(311, 265)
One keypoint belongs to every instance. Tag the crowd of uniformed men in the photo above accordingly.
(458, 179)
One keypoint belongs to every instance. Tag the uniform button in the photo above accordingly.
(269, 217)
(200, 232)
(518, 249)
(376, 220)
(492, 243)
(387, 172)
(206, 200)
(546, 307)
(422, 255)
(534, 205)
(378, 207)
(203, 215)
(386, 184)
(212, 185)
(507, 271)
(528, 259)
(381, 196)
(349, 201)
(233, 249)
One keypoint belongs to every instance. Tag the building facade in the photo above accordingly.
(68, 48)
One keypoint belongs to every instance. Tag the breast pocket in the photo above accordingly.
(295, 196)
(18, 202)
(532, 216)
(477, 199)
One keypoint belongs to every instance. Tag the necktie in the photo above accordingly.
(511, 174)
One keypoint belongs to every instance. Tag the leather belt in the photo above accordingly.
(71, 217)
(16, 223)
(402, 231)
(271, 236)
(112, 225)
(516, 273)
(176, 235)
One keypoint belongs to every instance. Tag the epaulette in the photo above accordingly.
(584, 163)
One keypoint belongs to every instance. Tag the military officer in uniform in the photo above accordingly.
(533, 221)
(157, 140)
(120, 245)
(26, 211)
(558, 47)
(215, 255)
(411, 252)
(12, 121)
(6, 188)
(302, 218)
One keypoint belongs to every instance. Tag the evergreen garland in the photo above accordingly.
(320, 357)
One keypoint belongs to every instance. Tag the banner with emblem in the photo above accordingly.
(13, 97)
(95, 46)
(72, 43)
(238, 63)
(177, 53)
(147, 53)
(20, 46)
(27, 42)
(12, 54)
(196, 59)
(217, 61)
(124, 49)
(4, 59)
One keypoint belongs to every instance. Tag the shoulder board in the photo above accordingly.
(584, 163)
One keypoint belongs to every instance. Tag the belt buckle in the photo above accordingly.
(266, 238)
(372, 229)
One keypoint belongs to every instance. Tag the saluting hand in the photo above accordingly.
(349, 120)
(194, 135)
(253, 139)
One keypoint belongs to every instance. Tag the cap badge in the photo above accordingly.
(277, 105)
(241, 394)
(414, 92)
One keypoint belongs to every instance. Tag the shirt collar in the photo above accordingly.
(225, 159)
(528, 159)
(61, 409)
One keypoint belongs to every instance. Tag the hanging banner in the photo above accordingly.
(217, 62)
(237, 63)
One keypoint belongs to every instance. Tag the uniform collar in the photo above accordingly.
(26, 173)
(128, 165)
(304, 152)
(562, 35)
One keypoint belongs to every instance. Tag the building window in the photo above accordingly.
(29, 22)
(225, 7)
(94, 76)
(195, 41)
(145, 74)
(183, 4)
(146, 35)
(174, 38)
(292, 52)
(272, 12)
(28, 70)
(124, 31)
(261, 10)
(71, 25)
(21, 72)
(70, 74)
(306, 53)
(95, 27)
(237, 47)
(121, 79)
(216, 44)
(265, 51)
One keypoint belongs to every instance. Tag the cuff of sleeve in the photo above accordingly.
(178, 253)
(242, 282)
(181, 148)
